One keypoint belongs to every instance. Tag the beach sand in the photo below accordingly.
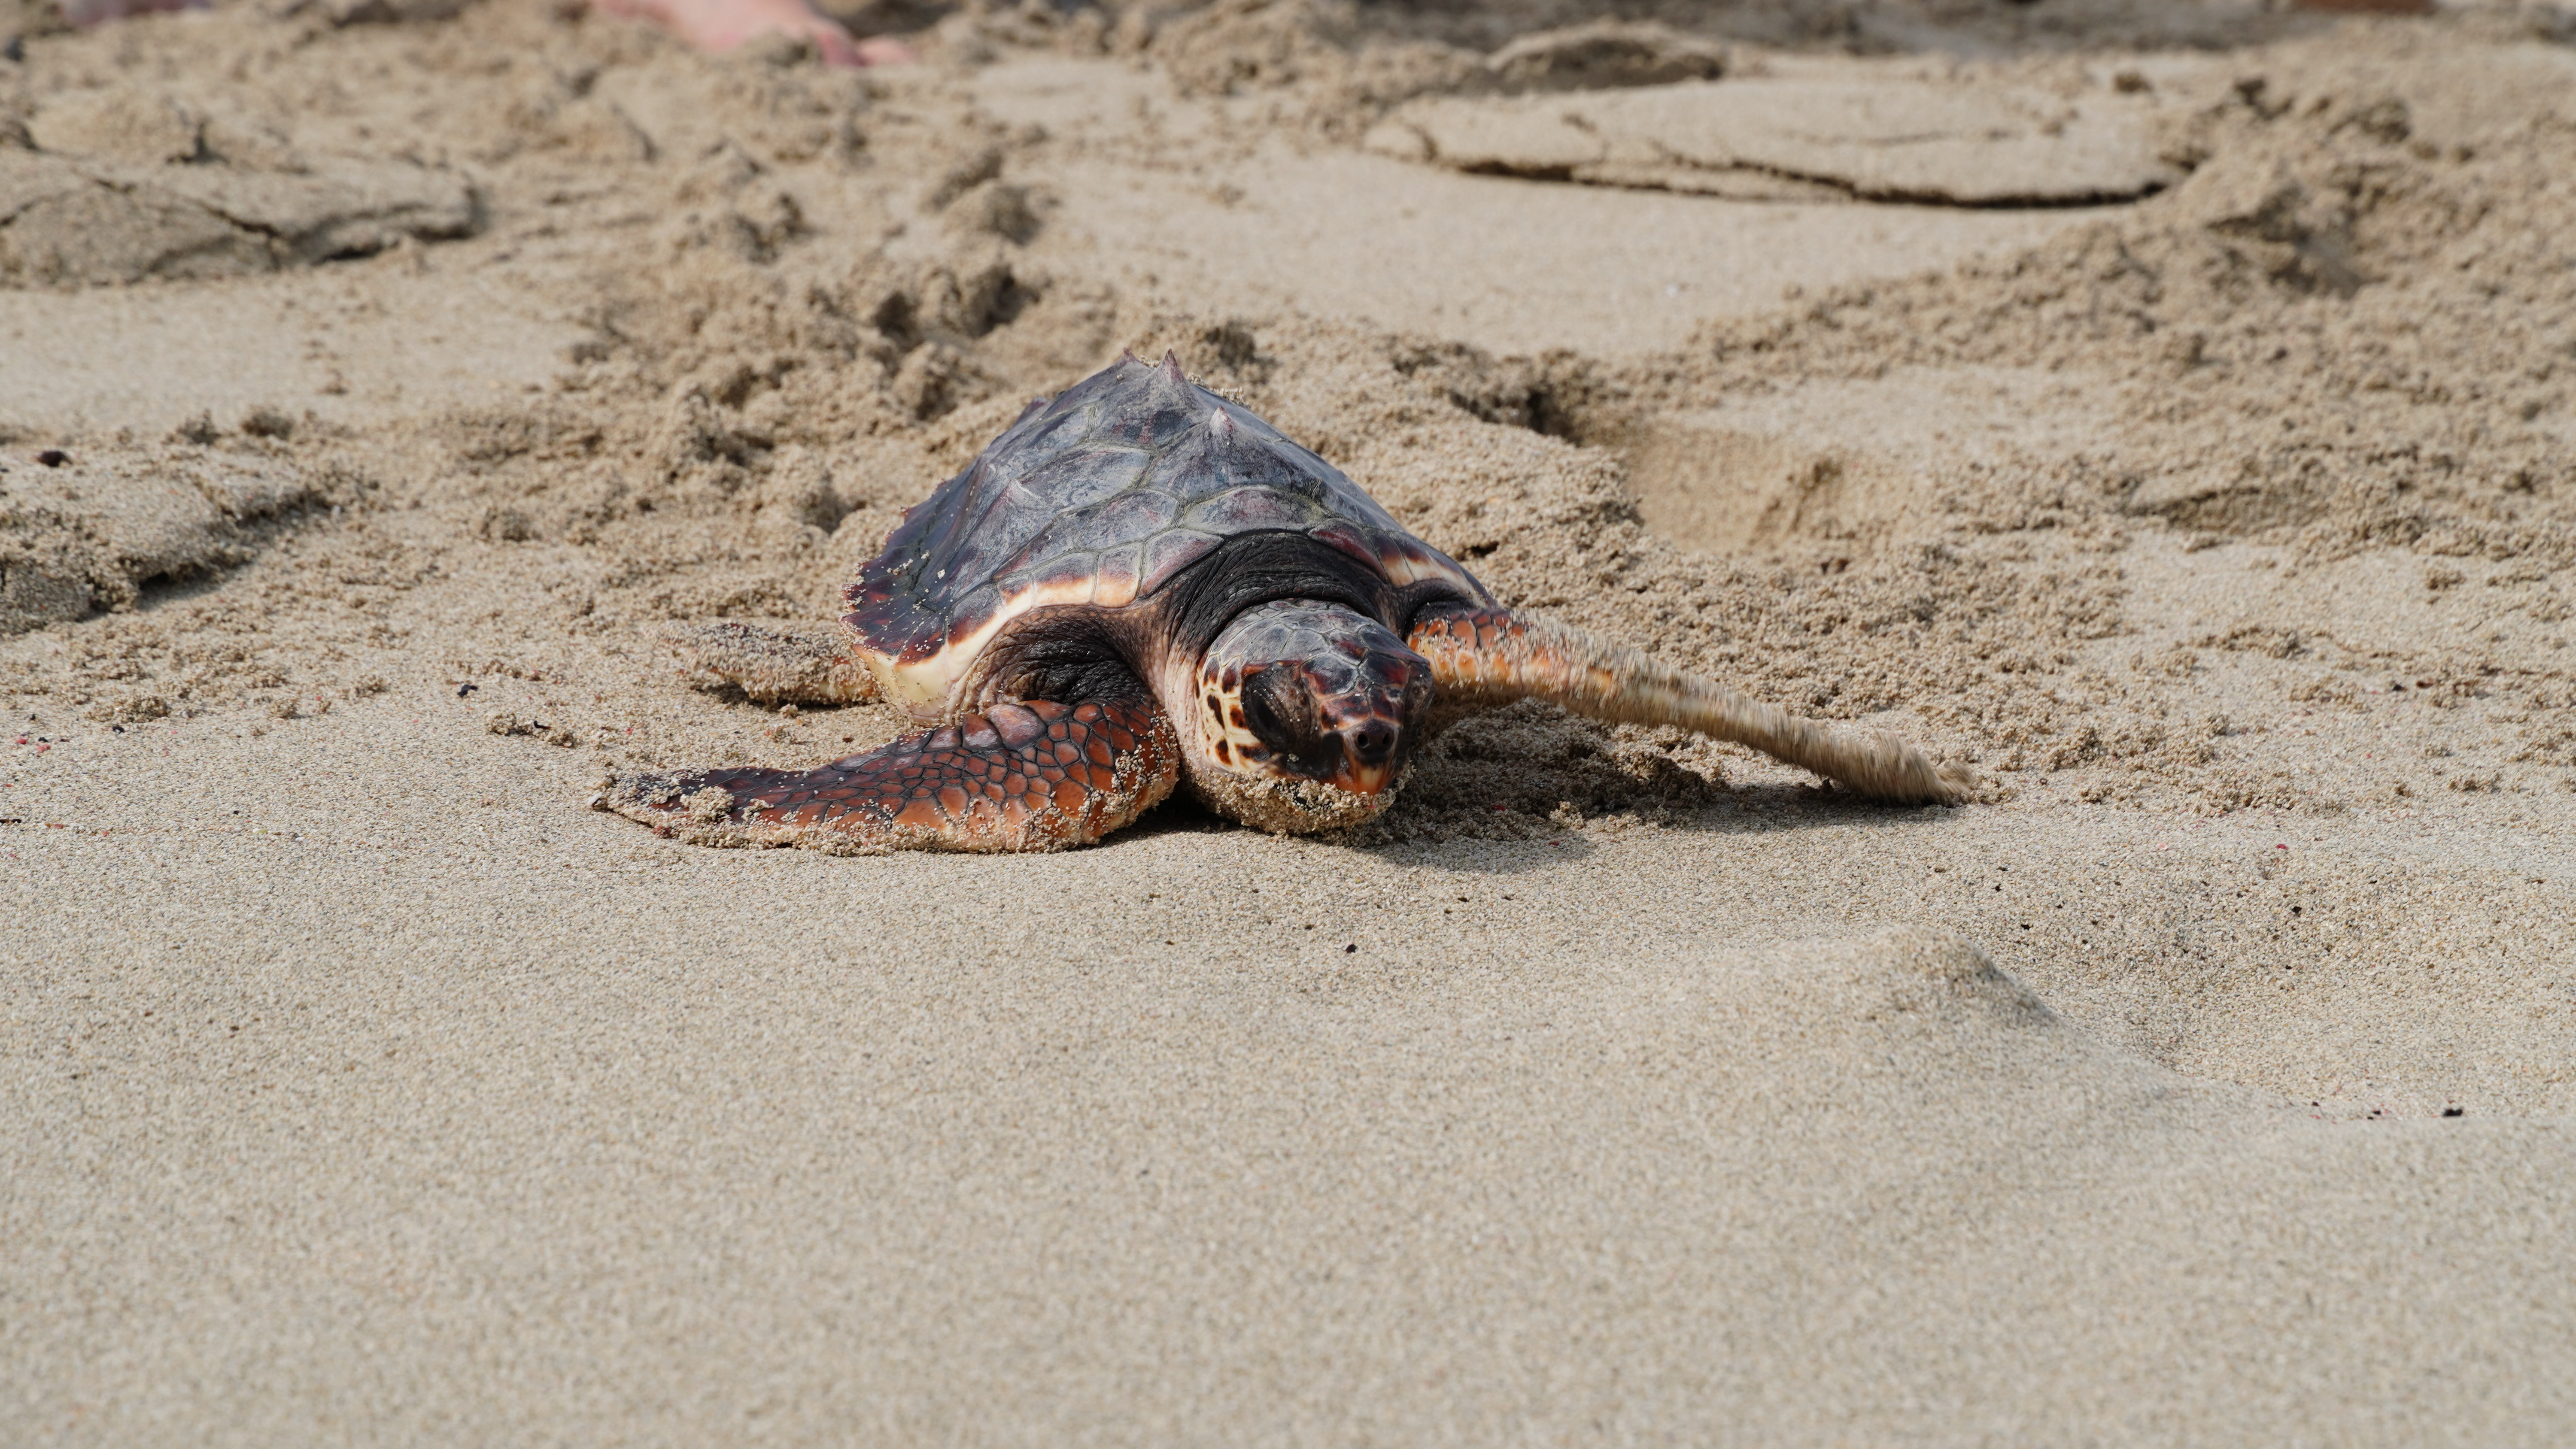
(376, 398)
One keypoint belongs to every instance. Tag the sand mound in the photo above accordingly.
(1894, 136)
(123, 184)
(1602, 55)
(79, 533)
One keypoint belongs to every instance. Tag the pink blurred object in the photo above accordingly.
(721, 25)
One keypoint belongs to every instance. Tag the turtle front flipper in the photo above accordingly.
(1030, 776)
(774, 666)
(1494, 656)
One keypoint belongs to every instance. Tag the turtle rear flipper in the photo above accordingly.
(1030, 776)
(1494, 656)
(774, 666)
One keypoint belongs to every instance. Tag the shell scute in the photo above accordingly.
(1392, 552)
(1349, 540)
(1123, 518)
(973, 612)
(1067, 578)
(1081, 478)
(1119, 571)
(1167, 415)
(1250, 510)
(1208, 463)
(1171, 551)
(1129, 518)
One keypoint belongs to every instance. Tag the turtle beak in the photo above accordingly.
(1370, 752)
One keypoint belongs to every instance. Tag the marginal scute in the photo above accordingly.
(1169, 552)
(1066, 579)
(1346, 538)
(1118, 585)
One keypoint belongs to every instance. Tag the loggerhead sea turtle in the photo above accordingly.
(1140, 583)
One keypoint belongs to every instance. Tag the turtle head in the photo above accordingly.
(1306, 714)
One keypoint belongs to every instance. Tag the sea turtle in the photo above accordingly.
(1141, 583)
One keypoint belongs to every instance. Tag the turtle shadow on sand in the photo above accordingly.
(1521, 843)
(1437, 837)
(1778, 807)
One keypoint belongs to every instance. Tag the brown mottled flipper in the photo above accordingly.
(775, 666)
(1030, 776)
(1493, 656)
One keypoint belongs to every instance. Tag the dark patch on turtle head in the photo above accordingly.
(1303, 690)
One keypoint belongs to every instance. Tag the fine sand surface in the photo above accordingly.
(2165, 410)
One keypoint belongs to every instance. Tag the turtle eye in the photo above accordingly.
(1279, 709)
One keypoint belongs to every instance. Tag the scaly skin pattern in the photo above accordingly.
(1029, 776)
(1494, 656)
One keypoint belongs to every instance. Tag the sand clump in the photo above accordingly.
(1893, 135)
(2337, 336)
(84, 534)
(114, 185)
